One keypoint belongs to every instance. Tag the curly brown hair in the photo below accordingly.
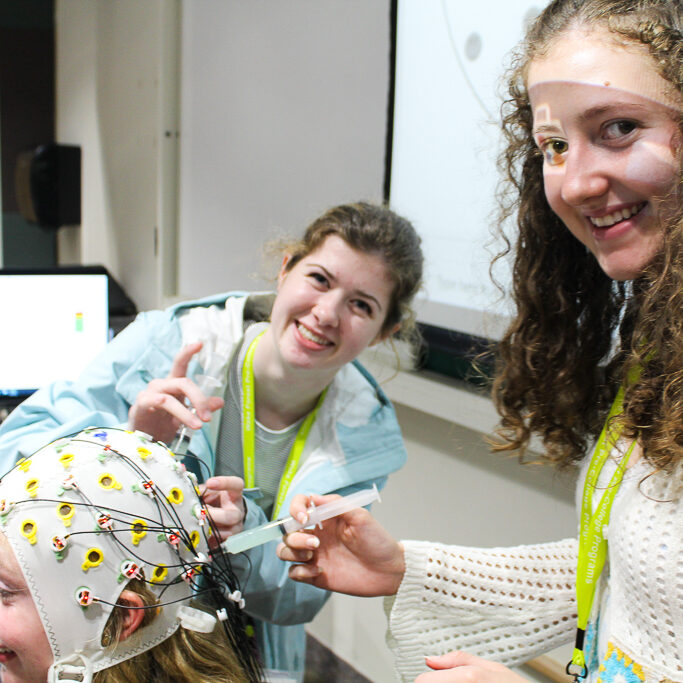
(577, 333)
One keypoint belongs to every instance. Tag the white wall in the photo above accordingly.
(283, 114)
(283, 111)
(452, 490)
(112, 100)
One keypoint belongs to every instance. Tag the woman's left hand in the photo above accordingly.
(460, 667)
(223, 499)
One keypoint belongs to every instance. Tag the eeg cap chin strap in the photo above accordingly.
(64, 671)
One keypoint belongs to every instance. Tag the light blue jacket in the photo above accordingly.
(354, 442)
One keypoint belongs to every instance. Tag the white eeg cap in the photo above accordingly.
(87, 513)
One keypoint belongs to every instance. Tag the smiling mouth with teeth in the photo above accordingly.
(307, 334)
(616, 217)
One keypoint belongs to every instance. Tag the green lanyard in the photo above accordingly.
(592, 544)
(248, 433)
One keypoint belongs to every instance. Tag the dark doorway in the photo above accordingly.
(27, 118)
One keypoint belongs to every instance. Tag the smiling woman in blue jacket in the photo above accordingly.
(296, 413)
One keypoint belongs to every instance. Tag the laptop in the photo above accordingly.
(52, 324)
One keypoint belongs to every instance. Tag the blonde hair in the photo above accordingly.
(185, 657)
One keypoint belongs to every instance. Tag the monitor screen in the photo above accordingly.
(450, 59)
(53, 324)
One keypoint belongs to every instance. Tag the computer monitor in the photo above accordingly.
(53, 323)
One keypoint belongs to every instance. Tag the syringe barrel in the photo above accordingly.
(208, 384)
(211, 384)
(322, 512)
(214, 365)
(182, 441)
(273, 530)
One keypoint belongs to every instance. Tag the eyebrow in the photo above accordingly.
(546, 128)
(8, 578)
(8, 581)
(359, 292)
(601, 110)
(594, 112)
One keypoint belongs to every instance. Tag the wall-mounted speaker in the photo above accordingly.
(48, 185)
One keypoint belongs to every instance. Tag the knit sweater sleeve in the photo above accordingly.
(504, 604)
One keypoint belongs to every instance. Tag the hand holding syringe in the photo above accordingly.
(275, 530)
(166, 403)
(210, 383)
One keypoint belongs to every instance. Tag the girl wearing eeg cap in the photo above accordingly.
(103, 518)
(291, 379)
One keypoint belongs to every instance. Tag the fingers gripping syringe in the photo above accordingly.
(210, 383)
(275, 530)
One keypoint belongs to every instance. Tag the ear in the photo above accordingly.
(283, 269)
(385, 335)
(133, 617)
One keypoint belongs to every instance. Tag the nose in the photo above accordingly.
(327, 310)
(585, 176)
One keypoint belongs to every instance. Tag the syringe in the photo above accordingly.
(275, 530)
(210, 382)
